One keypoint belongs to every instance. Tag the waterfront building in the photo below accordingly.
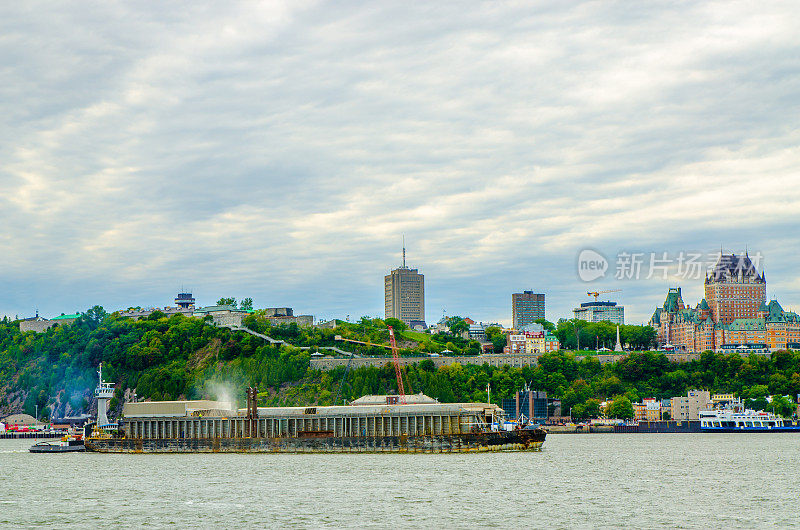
(600, 311)
(722, 400)
(526, 308)
(648, 410)
(530, 403)
(404, 294)
(688, 407)
(734, 315)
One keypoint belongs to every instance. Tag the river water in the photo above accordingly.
(593, 480)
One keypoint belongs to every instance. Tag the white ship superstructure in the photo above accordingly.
(104, 392)
(747, 420)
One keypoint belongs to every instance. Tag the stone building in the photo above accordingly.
(223, 315)
(40, 324)
(285, 315)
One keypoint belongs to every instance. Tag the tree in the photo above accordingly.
(96, 315)
(457, 325)
(591, 408)
(156, 315)
(546, 324)
(246, 304)
(782, 406)
(227, 301)
(396, 324)
(620, 408)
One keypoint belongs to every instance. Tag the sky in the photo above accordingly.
(281, 150)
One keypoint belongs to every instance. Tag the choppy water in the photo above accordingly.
(601, 480)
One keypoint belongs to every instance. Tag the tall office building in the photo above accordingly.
(405, 294)
(526, 308)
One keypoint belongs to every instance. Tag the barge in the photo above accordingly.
(368, 424)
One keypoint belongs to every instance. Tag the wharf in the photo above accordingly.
(29, 435)
(644, 427)
(579, 429)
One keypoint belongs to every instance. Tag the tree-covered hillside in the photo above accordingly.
(180, 357)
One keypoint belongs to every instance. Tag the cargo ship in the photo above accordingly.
(386, 423)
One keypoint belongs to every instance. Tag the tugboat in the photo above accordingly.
(69, 443)
(103, 393)
(100, 429)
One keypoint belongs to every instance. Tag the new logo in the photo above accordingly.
(591, 265)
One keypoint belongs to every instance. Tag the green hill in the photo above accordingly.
(187, 358)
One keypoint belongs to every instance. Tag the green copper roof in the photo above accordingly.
(775, 312)
(742, 324)
(671, 304)
(65, 317)
(656, 318)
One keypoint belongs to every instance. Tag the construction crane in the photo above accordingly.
(395, 360)
(598, 293)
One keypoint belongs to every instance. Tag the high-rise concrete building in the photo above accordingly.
(600, 311)
(404, 291)
(526, 308)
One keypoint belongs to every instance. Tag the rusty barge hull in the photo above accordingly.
(454, 443)
(371, 424)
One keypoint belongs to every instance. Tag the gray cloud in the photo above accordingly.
(279, 150)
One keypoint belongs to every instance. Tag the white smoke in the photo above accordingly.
(220, 390)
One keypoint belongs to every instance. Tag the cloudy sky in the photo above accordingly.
(281, 150)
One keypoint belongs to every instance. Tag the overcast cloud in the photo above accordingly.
(280, 150)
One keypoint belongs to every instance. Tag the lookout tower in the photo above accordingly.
(185, 300)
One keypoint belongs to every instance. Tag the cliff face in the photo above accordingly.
(161, 359)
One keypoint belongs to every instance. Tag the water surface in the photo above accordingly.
(599, 480)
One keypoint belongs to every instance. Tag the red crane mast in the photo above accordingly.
(396, 361)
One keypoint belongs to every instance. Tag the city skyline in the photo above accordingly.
(280, 152)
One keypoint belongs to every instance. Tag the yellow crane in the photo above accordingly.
(598, 293)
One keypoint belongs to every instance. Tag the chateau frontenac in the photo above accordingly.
(734, 313)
